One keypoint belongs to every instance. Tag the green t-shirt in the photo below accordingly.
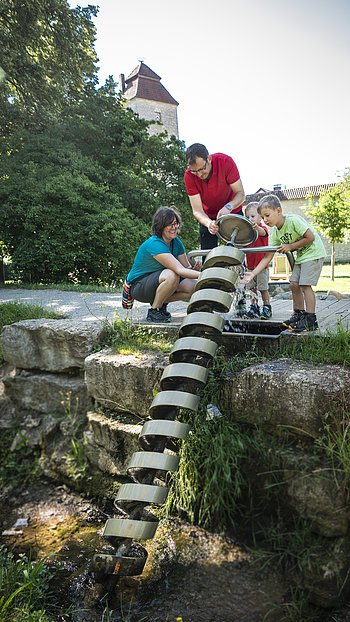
(293, 229)
(145, 263)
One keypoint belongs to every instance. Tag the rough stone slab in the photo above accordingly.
(110, 443)
(124, 382)
(47, 393)
(314, 493)
(50, 345)
(285, 395)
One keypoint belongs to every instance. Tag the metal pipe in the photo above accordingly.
(254, 249)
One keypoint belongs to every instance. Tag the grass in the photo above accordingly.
(341, 281)
(124, 337)
(67, 287)
(24, 589)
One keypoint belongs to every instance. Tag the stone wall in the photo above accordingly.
(157, 111)
(55, 388)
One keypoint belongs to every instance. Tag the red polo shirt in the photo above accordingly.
(216, 192)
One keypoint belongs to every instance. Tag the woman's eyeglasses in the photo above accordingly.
(173, 225)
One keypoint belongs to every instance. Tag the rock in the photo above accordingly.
(315, 494)
(285, 395)
(326, 573)
(124, 382)
(47, 393)
(110, 443)
(50, 345)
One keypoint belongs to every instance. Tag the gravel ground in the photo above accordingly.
(83, 306)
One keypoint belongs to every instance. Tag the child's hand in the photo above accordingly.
(284, 248)
(247, 277)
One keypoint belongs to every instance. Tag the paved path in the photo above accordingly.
(82, 306)
(87, 307)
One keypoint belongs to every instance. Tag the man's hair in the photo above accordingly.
(251, 205)
(197, 150)
(163, 217)
(271, 201)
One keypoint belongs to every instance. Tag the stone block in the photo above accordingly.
(124, 382)
(50, 345)
(47, 393)
(285, 395)
(110, 443)
(314, 492)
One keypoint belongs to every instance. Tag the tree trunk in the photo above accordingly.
(332, 261)
(2, 270)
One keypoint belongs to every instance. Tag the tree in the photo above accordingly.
(78, 197)
(331, 215)
(47, 53)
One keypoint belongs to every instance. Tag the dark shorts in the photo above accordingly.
(144, 290)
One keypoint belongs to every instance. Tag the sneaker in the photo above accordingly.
(253, 312)
(164, 310)
(294, 319)
(157, 316)
(307, 322)
(266, 312)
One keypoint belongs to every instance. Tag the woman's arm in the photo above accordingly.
(169, 261)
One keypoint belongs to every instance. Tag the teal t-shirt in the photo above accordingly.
(293, 229)
(144, 262)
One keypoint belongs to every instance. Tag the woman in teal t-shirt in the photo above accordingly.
(161, 271)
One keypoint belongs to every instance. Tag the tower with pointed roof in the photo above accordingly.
(146, 96)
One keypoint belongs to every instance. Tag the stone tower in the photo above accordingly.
(150, 100)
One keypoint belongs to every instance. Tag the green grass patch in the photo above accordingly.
(341, 281)
(24, 589)
(124, 337)
(329, 348)
(67, 287)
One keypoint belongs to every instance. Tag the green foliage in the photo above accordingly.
(329, 348)
(20, 466)
(78, 197)
(331, 213)
(209, 483)
(24, 589)
(125, 337)
(48, 58)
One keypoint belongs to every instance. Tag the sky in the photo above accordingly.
(265, 81)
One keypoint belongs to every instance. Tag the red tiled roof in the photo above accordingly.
(289, 193)
(145, 83)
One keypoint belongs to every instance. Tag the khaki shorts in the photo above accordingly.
(307, 273)
(260, 282)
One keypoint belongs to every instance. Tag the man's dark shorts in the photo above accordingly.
(144, 290)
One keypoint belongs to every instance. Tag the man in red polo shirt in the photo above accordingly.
(214, 188)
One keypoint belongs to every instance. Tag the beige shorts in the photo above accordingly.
(307, 273)
(260, 282)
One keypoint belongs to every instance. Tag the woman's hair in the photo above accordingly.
(163, 217)
(270, 201)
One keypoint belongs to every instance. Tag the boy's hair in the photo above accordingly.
(271, 201)
(163, 217)
(197, 150)
(251, 205)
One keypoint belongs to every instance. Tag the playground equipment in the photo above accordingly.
(180, 384)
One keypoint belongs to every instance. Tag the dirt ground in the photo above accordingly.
(191, 575)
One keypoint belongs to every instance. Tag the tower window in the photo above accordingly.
(158, 116)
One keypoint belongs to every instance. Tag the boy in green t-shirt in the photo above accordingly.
(293, 233)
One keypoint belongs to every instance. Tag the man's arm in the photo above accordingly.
(200, 215)
(237, 200)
